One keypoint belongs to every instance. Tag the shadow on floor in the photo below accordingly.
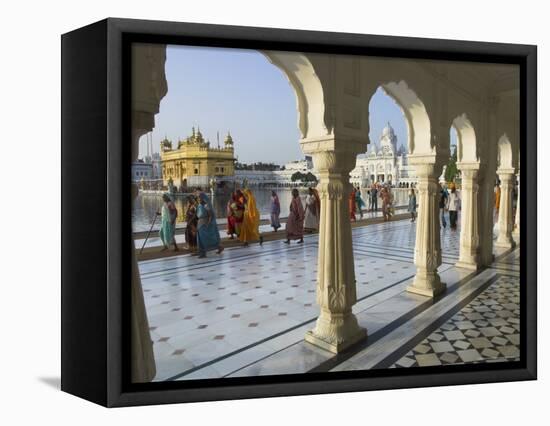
(54, 382)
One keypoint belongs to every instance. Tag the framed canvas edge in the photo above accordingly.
(118, 396)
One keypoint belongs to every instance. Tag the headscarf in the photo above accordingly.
(206, 199)
(276, 204)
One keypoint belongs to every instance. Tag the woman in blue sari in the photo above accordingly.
(168, 216)
(359, 201)
(208, 235)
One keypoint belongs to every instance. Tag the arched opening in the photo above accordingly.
(463, 136)
(233, 102)
(386, 162)
(209, 92)
(505, 158)
(420, 198)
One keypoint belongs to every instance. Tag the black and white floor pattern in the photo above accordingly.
(486, 330)
(245, 312)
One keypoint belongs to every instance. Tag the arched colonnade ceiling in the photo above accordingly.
(333, 94)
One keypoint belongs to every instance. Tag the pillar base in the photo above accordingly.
(505, 244)
(429, 285)
(336, 332)
(472, 266)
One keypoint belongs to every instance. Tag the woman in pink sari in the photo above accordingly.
(295, 222)
(230, 218)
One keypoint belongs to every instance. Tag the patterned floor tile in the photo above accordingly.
(467, 342)
(205, 310)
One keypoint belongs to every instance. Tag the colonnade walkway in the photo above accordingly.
(245, 312)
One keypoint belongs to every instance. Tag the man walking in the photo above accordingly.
(443, 198)
(373, 199)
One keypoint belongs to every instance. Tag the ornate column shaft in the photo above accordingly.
(516, 229)
(336, 327)
(469, 230)
(505, 218)
(427, 252)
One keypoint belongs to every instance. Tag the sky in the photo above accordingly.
(221, 90)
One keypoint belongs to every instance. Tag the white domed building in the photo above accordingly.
(383, 162)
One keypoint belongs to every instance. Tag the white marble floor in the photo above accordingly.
(245, 312)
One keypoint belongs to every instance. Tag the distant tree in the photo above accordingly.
(310, 177)
(297, 176)
(451, 170)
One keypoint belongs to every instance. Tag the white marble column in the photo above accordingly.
(336, 327)
(516, 225)
(505, 217)
(143, 365)
(427, 252)
(149, 86)
(469, 228)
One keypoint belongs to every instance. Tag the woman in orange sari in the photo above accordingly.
(251, 220)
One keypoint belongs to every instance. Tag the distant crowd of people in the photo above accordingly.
(374, 192)
(243, 217)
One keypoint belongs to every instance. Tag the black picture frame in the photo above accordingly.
(95, 177)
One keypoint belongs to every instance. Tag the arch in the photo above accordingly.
(505, 155)
(416, 117)
(466, 140)
(308, 89)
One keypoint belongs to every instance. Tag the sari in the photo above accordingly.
(230, 219)
(313, 211)
(236, 217)
(191, 229)
(295, 222)
(168, 223)
(412, 204)
(359, 201)
(352, 205)
(251, 219)
(275, 212)
(208, 235)
(386, 203)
